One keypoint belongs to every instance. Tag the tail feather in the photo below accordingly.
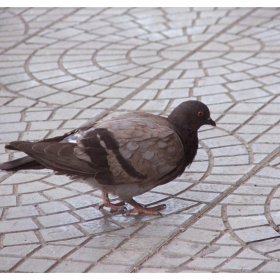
(21, 163)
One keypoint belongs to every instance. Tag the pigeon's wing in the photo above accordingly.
(57, 156)
(29, 162)
(138, 150)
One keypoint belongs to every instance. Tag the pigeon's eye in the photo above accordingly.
(200, 113)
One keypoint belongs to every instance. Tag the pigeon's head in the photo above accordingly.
(191, 114)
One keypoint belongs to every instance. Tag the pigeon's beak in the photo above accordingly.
(210, 121)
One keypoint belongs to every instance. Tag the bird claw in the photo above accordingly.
(113, 206)
(146, 210)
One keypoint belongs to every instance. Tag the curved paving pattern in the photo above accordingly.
(62, 67)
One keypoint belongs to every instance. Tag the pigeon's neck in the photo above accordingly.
(181, 123)
(189, 139)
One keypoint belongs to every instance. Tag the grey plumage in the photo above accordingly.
(127, 155)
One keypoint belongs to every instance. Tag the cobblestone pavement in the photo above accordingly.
(63, 67)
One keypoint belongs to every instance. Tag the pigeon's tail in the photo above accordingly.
(21, 163)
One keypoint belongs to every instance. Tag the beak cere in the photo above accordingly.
(210, 121)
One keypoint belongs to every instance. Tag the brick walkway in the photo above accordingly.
(61, 67)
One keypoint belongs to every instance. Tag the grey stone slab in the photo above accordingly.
(35, 265)
(105, 241)
(6, 263)
(205, 263)
(33, 187)
(220, 251)
(57, 220)
(107, 268)
(244, 222)
(60, 233)
(53, 207)
(98, 226)
(142, 243)
(198, 235)
(52, 252)
(21, 212)
(256, 233)
(6, 189)
(157, 230)
(19, 178)
(32, 198)
(241, 264)
(89, 213)
(18, 250)
(271, 266)
(59, 193)
(70, 267)
(88, 254)
(83, 200)
(17, 225)
(8, 200)
(20, 238)
(183, 247)
(167, 260)
(120, 257)
(199, 196)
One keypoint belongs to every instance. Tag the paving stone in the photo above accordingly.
(167, 259)
(52, 252)
(8, 200)
(59, 193)
(210, 223)
(57, 220)
(257, 233)
(6, 263)
(157, 105)
(242, 264)
(107, 242)
(272, 266)
(20, 238)
(142, 243)
(70, 267)
(32, 198)
(205, 263)
(21, 212)
(19, 178)
(161, 231)
(35, 265)
(33, 187)
(71, 242)
(219, 251)
(83, 200)
(236, 210)
(88, 254)
(18, 250)
(104, 268)
(227, 239)
(198, 235)
(98, 226)
(199, 196)
(60, 233)
(53, 207)
(120, 257)
(89, 213)
(183, 247)
(131, 105)
(267, 245)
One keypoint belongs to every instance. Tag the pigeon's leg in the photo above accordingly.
(113, 206)
(142, 209)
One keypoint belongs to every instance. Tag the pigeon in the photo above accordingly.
(124, 156)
